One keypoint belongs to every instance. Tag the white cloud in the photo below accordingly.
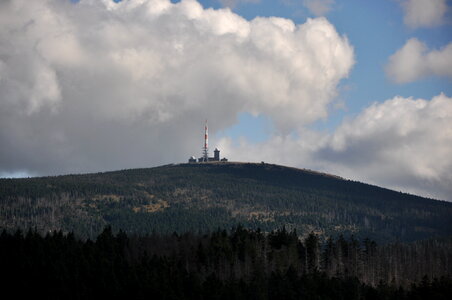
(100, 85)
(414, 61)
(319, 7)
(402, 143)
(424, 13)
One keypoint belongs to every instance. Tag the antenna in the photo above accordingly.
(205, 149)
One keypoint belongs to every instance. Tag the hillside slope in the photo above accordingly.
(202, 197)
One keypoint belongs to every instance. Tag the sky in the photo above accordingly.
(359, 89)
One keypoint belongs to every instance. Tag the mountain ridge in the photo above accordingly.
(314, 172)
(204, 196)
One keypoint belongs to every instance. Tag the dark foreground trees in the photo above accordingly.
(240, 264)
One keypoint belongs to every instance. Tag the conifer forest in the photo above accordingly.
(221, 231)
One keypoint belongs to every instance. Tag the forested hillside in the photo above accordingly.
(203, 197)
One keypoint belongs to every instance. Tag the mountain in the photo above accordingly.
(206, 196)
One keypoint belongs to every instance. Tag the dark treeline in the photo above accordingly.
(236, 264)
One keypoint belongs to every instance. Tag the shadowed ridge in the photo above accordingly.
(205, 196)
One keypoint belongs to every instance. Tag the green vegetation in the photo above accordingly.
(204, 197)
(241, 264)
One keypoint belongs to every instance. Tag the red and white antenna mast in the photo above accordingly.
(205, 149)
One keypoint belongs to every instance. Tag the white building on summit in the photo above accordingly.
(205, 151)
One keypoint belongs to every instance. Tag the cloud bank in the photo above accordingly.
(414, 61)
(403, 143)
(98, 85)
(424, 13)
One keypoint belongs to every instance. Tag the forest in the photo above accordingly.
(204, 197)
(172, 232)
(224, 264)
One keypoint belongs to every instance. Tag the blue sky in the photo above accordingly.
(360, 89)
